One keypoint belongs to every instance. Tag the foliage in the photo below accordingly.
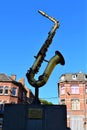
(45, 102)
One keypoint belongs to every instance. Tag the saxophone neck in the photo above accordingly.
(56, 22)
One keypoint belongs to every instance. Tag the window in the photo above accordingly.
(62, 77)
(74, 77)
(86, 101)
(86, 88)
(14, 91)
(24, 96)
(75, 104)
(74, 89)
(85, 77)
(63, 101)
(1, 122)
(62, 90)
(1, 90)
(6, 90)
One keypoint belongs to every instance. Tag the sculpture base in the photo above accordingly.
(35, 117)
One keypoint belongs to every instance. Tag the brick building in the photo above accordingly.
(12, 91)
(72, 89)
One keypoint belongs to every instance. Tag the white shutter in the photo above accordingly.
(76, 123)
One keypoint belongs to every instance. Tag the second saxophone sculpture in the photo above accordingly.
(56, 59)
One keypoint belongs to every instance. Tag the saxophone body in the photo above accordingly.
(56, 59)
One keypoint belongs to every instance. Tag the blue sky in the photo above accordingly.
(23, 31)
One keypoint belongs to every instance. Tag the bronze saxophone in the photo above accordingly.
(58, 58)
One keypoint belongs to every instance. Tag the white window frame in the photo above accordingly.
(85, 77)
(14, 91)
(75, 104)
(74, 77)
(62, 101)
(1, 88)
(74, 89)
(86, 88)
(6, 88)
(62, 90)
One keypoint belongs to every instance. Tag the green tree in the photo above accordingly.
(45, 102)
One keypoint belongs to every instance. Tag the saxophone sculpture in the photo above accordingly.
(58, 58)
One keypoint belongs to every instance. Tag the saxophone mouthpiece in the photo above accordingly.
(41, 12)
(49, 17)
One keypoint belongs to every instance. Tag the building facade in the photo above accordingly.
(72, 91)
(13, 92)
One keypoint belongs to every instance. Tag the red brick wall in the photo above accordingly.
(68, 96)
(9, 98)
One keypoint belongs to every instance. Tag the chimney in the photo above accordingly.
(13, 76)
(22, 81)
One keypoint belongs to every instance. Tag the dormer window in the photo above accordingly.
(74, 77)
(85, 76)
(86, 88)
(62, 78)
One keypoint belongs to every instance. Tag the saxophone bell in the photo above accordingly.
(61, 61)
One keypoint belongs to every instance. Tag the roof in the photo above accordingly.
(73, 77)
(4, 77)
